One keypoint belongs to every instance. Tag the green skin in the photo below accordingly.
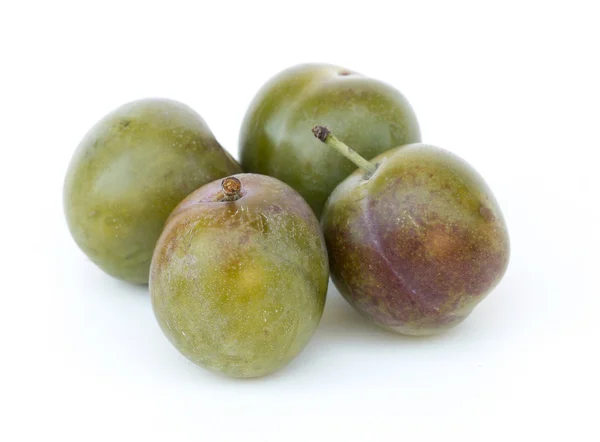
(367, 114)
(419, 244)
(239, 287)
(127, 175)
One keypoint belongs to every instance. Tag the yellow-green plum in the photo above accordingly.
(415, 237)
(127, 175)
(239, 275)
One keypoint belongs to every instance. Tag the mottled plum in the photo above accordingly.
(239, 276)
(415, 237)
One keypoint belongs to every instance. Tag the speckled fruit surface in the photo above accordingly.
(129, 172)
(238, 280)
(416, 246)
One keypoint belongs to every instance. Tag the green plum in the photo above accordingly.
(127, 175)
(415, 237)
(367, 113)
(239, 275)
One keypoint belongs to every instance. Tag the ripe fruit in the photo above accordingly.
(415, 238)
(239, 275)
(129, 172)
(370, 115)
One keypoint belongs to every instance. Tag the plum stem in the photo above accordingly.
(325, 135)
(231, 187)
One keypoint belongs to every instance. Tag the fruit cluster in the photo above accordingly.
(238, 263)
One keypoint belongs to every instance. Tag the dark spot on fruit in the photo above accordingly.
(344, 73)
(124, 123)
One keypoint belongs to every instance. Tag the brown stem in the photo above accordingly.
(232, 188)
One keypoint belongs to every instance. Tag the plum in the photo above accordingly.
(239, 275)
(368, 113)
(415, 237)
(129, 172)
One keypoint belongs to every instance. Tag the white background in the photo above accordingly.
(511, 86)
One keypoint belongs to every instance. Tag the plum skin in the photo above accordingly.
(419, 244)
(238, 287)
(129, 172)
